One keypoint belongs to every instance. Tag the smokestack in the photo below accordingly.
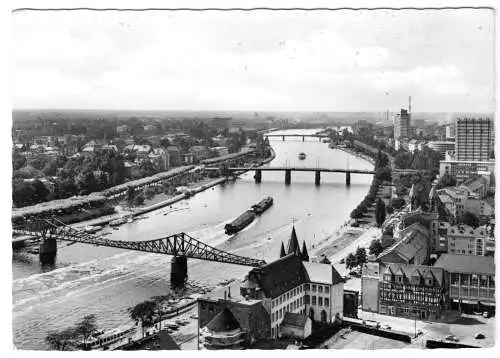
(409, 104)
(229, 294)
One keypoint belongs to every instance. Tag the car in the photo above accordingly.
(486, 314)
(386, 326)
(479, 335)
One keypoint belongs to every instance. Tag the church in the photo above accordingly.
(292, 285)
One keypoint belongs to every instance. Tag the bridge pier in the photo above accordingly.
(48, 251)
(258, 176)
(288, 176)
(317, 177)
(303, 138)
(347, 178)
(178, 271)
(283, 138)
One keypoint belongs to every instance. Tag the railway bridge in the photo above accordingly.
(181, 246)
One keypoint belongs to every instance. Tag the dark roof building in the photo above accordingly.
(157, 342)
(467, 264)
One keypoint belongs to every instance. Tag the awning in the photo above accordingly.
(491, 304)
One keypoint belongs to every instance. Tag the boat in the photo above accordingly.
(118, 222)
(262, 206)
(325, 140)
(92, 229)
(130, 220)
(105, 338)
(302, 155)
(240, 222)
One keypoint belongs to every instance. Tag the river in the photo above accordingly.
(106, 281)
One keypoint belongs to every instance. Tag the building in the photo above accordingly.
(160, 158)
(160, 341)
(402, 125)
(414, 145)
(406, 290)
(442, 147)
(224, 332)
(463, 170)
(222, 123)
(474, 139)
(461, 199)
(470, 281)
(296, 326)
(412, 247)
(465, 240)
(220, 151)
(141, 151)
(450, 131)
(199, 152)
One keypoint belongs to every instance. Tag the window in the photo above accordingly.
(483, 281)
(306, 286)
(327, 302)
(327, 289)
(464, 279)
(280, 312)
(301, 301)
(474, 280)
(272, 303)
(492, 281)
(281, 300)
(314, 300)
(314, 288)
(320, 301)
(287, 296)
(454, 278)
(288, 307)
(320, 289)
(272, 317)
(300, 289)
(307, 299)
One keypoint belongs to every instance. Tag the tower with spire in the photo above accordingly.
(293, 244)
(294, 247)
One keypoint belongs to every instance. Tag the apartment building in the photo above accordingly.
(474, 139)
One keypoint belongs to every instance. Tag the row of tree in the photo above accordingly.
(75, 337)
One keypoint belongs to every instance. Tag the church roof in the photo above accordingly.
(293, 243)
(224, 322)
(305, 254)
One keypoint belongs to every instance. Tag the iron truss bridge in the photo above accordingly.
(176, 245)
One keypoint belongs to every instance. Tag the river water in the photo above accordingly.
(106, 281)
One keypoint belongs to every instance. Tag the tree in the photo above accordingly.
(61, 340)
(86, 327)
(87, 183)
(380, 212)
(139, 199)
(130, 195)
(398, 203)
(149, 192)
(22, 193)
(470, 219)
(18, 161)
(40, 192)
(143, 312)
(350, 262)
(361, 257)
(147, 168)
(375, 247)
(40, 161)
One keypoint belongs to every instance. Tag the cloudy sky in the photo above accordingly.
(334, 61)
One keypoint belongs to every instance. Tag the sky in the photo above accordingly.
(288, 60)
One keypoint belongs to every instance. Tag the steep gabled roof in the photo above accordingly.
(279, 276)
(224, 322)
(305, 254)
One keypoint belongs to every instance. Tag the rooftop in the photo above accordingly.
(294, 319)
(322, 273)
(235, 296)
(224, 322)
(467, 264)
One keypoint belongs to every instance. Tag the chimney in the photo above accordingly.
(229, 294)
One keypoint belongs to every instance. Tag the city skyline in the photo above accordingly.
(325, 61)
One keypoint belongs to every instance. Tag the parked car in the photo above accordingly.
(486, 314)
(386, 326)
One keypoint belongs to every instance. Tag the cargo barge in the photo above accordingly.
(262, 206)
(240, 222)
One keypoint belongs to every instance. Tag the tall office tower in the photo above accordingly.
(474, 139)
(402, 128)
(450, 131)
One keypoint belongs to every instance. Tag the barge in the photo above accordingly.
(264, 204)
(302, 155)
(240, 222)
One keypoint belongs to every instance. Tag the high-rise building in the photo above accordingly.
(474, 139)
(402, 127)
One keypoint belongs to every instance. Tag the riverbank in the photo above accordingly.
(356, 154)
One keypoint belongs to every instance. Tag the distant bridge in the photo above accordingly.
(283, 136)
(181, 246)
(288, 172)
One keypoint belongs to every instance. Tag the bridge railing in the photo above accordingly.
(177, 245)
